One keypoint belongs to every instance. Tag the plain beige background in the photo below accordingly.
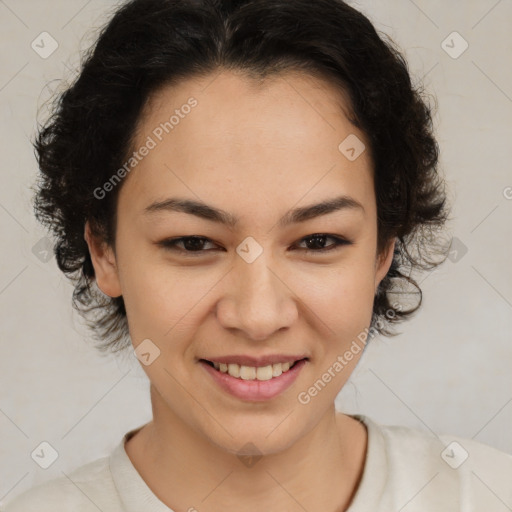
(450, 369)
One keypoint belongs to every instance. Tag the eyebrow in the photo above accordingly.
(207, 212)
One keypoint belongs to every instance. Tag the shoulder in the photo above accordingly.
(445, 450)
(473, 473)
(88, 488)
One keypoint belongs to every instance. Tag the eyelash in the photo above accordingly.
(171, 244)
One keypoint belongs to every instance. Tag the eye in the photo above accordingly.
(319, 239)
(195, 245)
(191, 244)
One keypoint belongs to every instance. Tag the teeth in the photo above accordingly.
(247, 372)
(277, 369)
(252, 372)
(233, 370)
(264, 373)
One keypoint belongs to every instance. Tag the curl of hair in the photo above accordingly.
(149, 44)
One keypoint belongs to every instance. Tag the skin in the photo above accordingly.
(255, 150)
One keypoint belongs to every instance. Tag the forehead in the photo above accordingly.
(226, 135)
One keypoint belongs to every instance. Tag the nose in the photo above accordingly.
(257, 300)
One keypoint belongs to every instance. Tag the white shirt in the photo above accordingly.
(406, 470)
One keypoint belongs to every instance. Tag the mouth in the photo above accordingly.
(248, 373)
(254, 383)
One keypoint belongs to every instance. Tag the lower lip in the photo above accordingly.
(255, 390)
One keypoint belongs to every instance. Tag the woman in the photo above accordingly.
(237, 189)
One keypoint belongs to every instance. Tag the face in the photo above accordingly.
(280, 279)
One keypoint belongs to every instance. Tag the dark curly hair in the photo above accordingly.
(149, 44)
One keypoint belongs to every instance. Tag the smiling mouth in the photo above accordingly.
(261, 373)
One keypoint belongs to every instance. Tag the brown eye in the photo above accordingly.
(195, 245)
(190, 245)
(318, 240)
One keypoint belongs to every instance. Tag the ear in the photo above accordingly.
(383, 262)
(104, 263)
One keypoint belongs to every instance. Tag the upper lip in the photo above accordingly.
(244, 360)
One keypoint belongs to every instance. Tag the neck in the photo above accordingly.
(186, 470)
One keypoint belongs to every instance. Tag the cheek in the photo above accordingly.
(341, 297)
(162, 301)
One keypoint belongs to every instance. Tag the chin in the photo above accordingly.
(256, 438)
